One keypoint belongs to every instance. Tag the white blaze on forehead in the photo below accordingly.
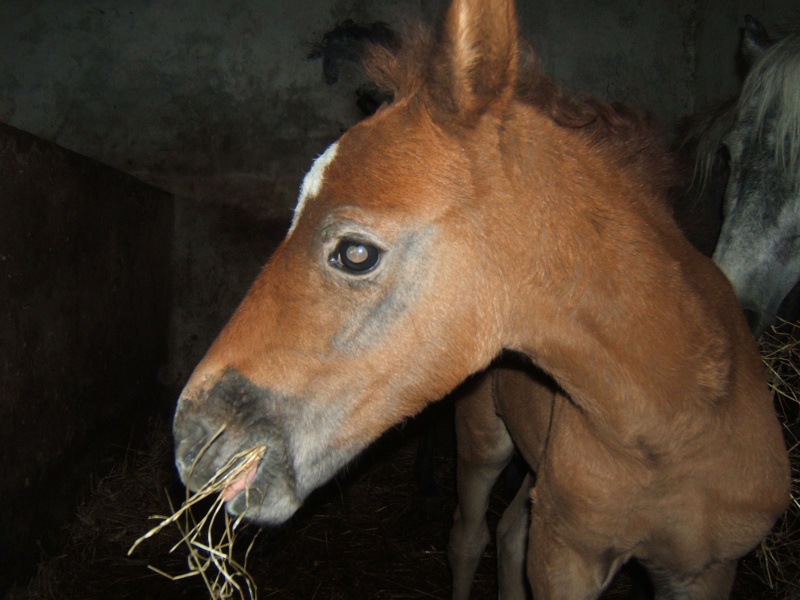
(312, 182)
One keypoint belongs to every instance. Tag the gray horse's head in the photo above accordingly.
(759, 244)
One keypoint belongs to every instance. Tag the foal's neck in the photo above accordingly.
(615, 302)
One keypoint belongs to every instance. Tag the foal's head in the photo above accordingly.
(384, 295)
(402, 270)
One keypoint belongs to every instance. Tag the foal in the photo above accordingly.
(486, 210)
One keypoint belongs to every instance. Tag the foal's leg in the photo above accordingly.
(484, 449)
(580, 509)
(512, 538)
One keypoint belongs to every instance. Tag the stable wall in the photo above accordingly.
(85, 296)
(219, 103)
(220, 100)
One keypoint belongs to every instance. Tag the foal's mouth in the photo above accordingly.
(234, 477)
(242, 482)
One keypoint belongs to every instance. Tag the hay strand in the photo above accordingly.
(210, 554)
(779, 554)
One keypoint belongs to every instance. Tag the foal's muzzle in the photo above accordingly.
(226, 419)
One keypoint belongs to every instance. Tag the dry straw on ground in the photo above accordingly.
(779, 554)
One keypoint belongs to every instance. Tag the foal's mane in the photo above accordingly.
(630, 139)
(771, 87)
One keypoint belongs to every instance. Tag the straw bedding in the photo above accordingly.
(368, 534)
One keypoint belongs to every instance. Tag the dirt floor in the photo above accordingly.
(369, 534)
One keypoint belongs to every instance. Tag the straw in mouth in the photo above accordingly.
(240, 484)
(211, 552)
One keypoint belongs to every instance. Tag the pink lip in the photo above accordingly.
(239, 485)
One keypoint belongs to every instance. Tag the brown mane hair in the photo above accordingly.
(633, 140)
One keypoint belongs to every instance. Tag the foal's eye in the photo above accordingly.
(355, 257)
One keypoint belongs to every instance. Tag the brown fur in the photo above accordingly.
(508, 214)
(634, 141)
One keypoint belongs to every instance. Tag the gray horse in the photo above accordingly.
(751, 149)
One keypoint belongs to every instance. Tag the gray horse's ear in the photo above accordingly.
(754, 41)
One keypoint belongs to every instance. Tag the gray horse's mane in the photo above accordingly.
(771, 87)
(774, 84)
(700, 136)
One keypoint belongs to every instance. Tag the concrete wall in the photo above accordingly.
(219, 104)
(206, 99)
(218, 100)
(85, 296)
(716, 39)
(218, 251)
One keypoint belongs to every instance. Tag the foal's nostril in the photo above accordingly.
(188, 457)
(185, 456)
(190, 440)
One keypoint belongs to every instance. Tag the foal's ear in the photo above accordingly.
(474, 69)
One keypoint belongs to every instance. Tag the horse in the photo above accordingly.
(748, 178)
(699, 212)
(486, 210)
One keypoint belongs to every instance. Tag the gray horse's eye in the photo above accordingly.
(724, 155)
(355, 257)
